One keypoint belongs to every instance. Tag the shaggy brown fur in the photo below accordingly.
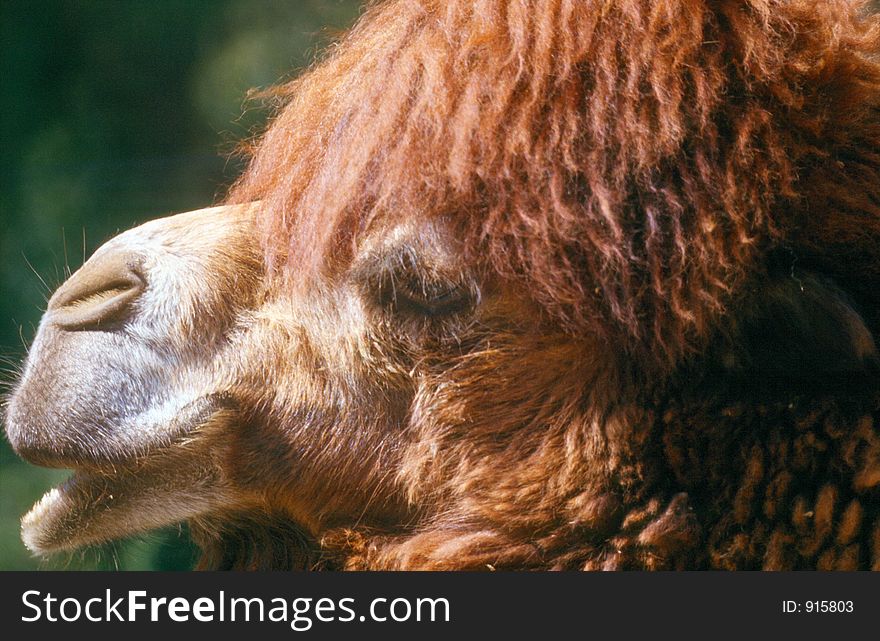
(642, 169)
(632, 163)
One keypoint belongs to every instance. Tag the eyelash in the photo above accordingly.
(421, 300)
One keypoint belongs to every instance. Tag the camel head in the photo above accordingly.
(506, 284)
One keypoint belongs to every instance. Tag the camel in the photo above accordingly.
(506, 285)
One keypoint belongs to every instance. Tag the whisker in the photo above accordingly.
(66, 271)
(33, 269)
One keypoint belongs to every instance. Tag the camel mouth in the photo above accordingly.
(167, 484)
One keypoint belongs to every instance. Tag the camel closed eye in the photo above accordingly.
(410, 285)
(431, 300)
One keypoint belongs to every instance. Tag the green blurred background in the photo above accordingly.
(115, 112)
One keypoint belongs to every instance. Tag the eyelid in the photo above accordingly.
(401, 282)
(446, 300)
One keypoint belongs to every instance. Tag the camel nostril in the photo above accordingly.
(100, 294)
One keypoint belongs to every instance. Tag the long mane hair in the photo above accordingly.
(632, 163)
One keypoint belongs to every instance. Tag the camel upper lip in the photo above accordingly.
(158, 437)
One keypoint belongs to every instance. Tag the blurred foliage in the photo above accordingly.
(114, 112)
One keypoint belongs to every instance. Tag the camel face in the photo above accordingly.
(507, 285)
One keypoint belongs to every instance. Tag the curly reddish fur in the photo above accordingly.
(640, 168)
(632, 162)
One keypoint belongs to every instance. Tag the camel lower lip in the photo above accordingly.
(94, 508)
(42, 519)
(83, 510)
